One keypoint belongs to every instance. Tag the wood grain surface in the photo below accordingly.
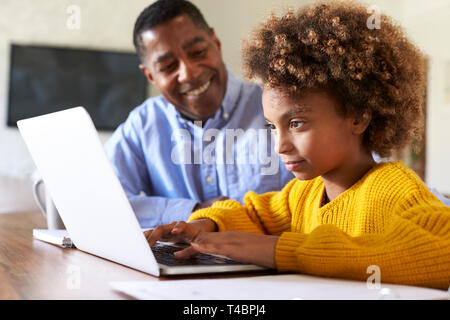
(32, 269)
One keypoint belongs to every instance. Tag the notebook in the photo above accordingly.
(89, 197)
(273, 287)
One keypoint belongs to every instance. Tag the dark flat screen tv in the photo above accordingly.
(48, 79)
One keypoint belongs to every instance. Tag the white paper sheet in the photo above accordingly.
(278, 287)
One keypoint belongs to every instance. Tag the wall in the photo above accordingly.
(428, 23)
(104, 25)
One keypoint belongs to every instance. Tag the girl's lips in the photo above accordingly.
(293, 165)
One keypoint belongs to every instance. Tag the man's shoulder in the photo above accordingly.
(151, 110)
(248, 100)
(251, 88)
(142, 122)
(247, 88)
(250, 84)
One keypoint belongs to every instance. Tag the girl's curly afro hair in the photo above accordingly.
(371, 71)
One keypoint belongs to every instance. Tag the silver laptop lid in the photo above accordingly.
(88, 195)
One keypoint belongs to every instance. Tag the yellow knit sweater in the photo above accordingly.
(388, 219)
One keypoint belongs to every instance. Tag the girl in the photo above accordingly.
(334, 92)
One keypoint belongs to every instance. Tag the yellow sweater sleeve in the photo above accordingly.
(413, 250)
(268, 213)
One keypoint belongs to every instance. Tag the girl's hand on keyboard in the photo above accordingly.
(240, 246)
(179, 232)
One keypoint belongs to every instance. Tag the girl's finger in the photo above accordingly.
(179, 227)
(186, 253)
(208, 242)
(159, 232)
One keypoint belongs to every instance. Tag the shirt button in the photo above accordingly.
(226, 115)
(209, 179)
(207, 138)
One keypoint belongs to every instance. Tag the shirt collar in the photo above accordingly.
(223, 114)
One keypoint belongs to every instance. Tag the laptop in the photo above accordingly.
(92, 203)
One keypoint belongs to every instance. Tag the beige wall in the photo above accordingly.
(105, 24)
(108, 24)
(428, 23)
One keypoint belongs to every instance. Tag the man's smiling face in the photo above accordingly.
(185, 63)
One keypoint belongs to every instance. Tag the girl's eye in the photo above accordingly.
(295, 124)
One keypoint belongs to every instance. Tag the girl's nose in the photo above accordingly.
(283, 143)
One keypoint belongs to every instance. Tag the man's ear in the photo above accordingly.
(147, 73)
(361, 123)
(215, 39)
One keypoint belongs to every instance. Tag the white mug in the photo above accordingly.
(48, 208)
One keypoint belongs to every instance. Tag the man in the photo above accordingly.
(204, 138)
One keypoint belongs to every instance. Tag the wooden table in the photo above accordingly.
(32, 269)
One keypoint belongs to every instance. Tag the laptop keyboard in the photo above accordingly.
(164, 254)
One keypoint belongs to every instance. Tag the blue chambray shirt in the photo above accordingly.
(167, 164)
